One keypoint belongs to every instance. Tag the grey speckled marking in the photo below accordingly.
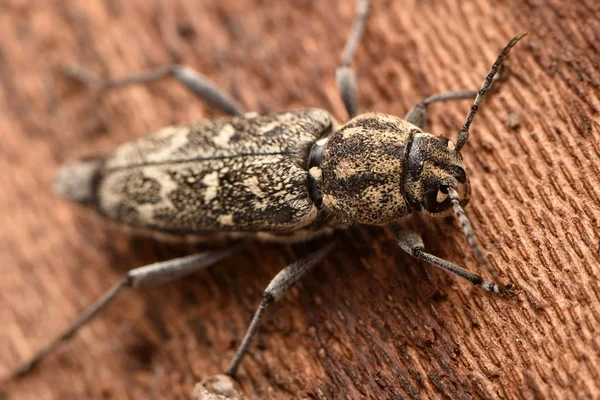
(229, 174)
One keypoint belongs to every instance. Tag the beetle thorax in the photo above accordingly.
(363, 170)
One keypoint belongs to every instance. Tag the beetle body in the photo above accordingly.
(274, 175)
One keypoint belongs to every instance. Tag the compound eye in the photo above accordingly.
(436, 199)
(461, 175)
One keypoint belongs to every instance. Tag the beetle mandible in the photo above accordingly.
(283, 177)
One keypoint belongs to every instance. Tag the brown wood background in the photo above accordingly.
(370, 322)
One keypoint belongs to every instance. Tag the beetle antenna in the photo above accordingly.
(464, 132)
(468, 231)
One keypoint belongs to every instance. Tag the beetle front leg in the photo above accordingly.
(197, 83)
(418, 114)
(412, 243)
(279, 285)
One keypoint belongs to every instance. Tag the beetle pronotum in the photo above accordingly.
(288, 177)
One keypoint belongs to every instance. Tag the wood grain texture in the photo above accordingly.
(370, 322)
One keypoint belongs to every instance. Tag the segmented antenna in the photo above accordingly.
(468, 231)
(464, 132)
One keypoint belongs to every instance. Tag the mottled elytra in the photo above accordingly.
(287, 177)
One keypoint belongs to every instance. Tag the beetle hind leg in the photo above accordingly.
(197, 83)
(153, 274)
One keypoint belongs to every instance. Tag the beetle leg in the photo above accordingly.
(418, 114)
(412, 243)
(279, 285)
(148, 275)
(197, 83)
(344, 75)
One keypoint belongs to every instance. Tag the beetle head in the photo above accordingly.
(431, 168)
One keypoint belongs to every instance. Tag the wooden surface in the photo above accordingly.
(370, 322)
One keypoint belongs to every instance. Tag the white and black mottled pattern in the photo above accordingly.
(229, 174)
(278, 175)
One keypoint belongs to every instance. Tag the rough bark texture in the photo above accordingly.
(369, 322)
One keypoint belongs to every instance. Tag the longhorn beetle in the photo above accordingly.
(288, 177)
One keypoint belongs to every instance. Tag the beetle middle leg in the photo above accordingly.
(197, 83)
(412, 243)
(279, 285)
(344, 75)
(153, 274)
